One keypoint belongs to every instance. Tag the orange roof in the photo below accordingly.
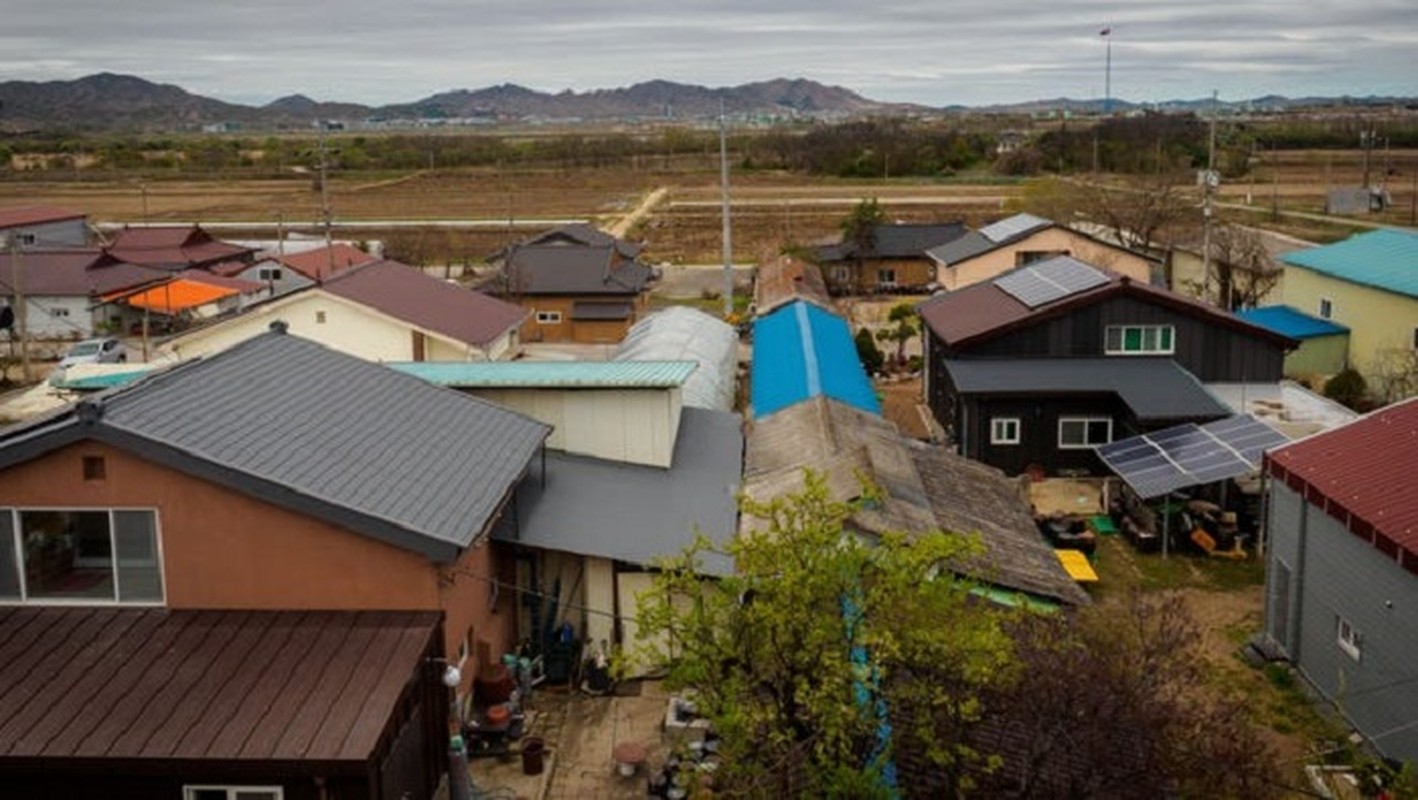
(178, 295)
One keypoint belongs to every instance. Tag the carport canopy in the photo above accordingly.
(1159, 463)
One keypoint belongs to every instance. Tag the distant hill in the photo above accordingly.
(109, 102)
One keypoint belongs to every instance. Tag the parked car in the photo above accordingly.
(108, 350)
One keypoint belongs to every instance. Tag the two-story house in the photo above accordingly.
(1033, 369)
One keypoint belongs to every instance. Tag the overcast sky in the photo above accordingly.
(934, 52)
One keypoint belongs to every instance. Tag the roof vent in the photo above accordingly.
(88, 411)
(279, 326)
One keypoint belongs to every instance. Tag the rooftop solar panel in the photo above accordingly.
(1158, 463)
(1049, 280)
(1012, 226)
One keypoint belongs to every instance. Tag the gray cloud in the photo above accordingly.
(936, 53)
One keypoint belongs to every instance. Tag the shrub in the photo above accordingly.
(1347, 387)
(868, 352)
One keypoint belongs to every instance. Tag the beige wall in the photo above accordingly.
(1381, 324)
(1189, 278)
(634, 425)
(223, 549)
(1055, 240)
(347, 327)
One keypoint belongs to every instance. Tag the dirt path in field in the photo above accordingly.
(625, 223)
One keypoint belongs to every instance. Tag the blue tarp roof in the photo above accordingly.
(1383, 259)
(801, 351)
(1290, 321)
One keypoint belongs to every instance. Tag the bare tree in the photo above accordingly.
(1241, 272)
(1142, 212)
(1394, 375)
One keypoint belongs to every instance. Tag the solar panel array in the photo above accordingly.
(1012, 226)
(1047, 281)
(1158, 463)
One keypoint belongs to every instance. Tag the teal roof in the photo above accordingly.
(96, 383)
(1292, 322)
(1385, 259)
(551, 374)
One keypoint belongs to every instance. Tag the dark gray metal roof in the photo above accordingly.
(1154, 388)
(330, 435)
(598, 310)
(635, 513)
(968, 246)
(990, 237)
(897, 240)
(570, 269)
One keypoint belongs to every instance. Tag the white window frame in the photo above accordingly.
(1085, 421)
(881, 276)
(1000, 430)
(189, 792)
(548, 317)
(19, 545)
(1326, 308)
(1156, 331)
(1348, 638)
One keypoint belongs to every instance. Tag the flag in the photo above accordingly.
(1105, 31)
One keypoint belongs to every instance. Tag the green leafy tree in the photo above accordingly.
(790, 657)
(904, 325)
(859, 228)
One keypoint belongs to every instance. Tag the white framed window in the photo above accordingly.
(1140, 340)
(548, 317)
(1004, 430)
(268, 273)
(1078, 433)
(1348, 639)
(1326, 309)
(89, 556)
(886, 277)
(232, 793)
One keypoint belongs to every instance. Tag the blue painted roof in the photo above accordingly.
(801, 351)
(551, 374)
(1384, 259)
(1292, 322)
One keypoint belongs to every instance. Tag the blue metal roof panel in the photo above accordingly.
(1383, 259)
(802, 351)
(552, 374)
(1292, 322)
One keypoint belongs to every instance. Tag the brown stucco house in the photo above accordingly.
(1022, 239)
(277, 478)
(893, 260)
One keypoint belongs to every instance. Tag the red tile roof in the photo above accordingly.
(405, 293)
(172, 248)
(35, 215)
(983, 311)
(160, 684)
(316, 264)
(1362, 475)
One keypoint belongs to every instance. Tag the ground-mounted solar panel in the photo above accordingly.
(1158, 463)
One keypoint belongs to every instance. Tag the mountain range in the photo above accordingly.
(109, 102)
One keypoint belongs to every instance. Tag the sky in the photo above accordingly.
(932, 52)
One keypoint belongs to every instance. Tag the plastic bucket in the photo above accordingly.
(533, 753)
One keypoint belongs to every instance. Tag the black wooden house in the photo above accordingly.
(1030, 371)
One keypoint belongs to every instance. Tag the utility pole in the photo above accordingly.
(21, 306)
(1366, 140)
(724, 199)
(1206, 205)
(280, 250)
(325, 203)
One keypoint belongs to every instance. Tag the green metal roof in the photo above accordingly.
(552, 374)
(1385, 259)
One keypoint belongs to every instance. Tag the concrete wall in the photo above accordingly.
(1051, 240)
(1381, 324)
(1331, 574)
(64, 233)
(56, 317)
(634, 425)
(222, 549)
(346, 326)
(1321, 355)
(1189, 278)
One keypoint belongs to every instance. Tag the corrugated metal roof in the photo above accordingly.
(160, 684)
(1010, 227)
(801, 351)
(681, 333)
(1383, 259)
(1292, 322)
(20, 216)
(544, 269)
(1363, 475)
(77, 272)
(966, 247)
(636, 513)
(1154, 388)
(553, 374)
(330, 435)
(407, 294)
(897, 240)
(784, 280)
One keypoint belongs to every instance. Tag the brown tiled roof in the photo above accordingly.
(782, 281)
(154, 683)
(316, 264)
(172, 247)
(35, 215)
(76, 272)
(405, 293)
(1362, 475)
(983, 311)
